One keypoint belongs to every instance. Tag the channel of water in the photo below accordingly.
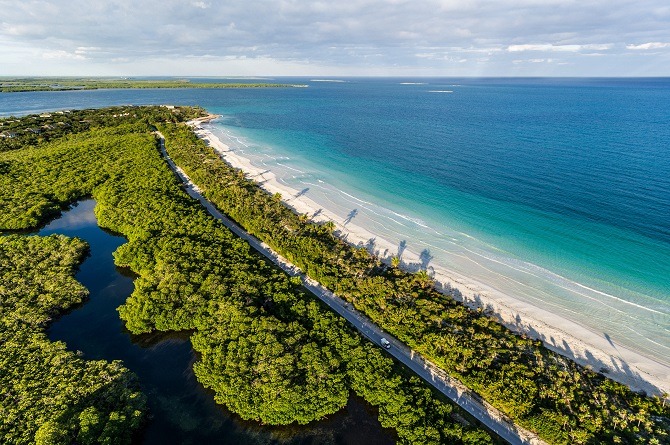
(182, 411)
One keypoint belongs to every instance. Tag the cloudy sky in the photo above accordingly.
(347, 37)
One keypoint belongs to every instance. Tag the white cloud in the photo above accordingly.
(561, 48)
(60, 54)
(519, 61)
(650, 45)
(357, 36)
(84, 50)
(597, 47)
(544, 47)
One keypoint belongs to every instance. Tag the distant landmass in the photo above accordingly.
(17, 85)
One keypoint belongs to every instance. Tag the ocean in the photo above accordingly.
(553, 191)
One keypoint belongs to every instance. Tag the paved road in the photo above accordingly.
(455, 390)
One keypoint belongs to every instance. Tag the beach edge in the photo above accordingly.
(563, 336)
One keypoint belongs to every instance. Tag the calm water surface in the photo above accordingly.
(182, 411)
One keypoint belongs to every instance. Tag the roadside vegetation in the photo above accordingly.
(49, 395)
(269, 351)
(542, 391)
(31, 131)
(17, 85)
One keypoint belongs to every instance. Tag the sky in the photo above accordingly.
(335, 38)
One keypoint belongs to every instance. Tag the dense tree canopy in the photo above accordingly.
(49, 395)
(563, 402)
(65, 84)
(269, 351)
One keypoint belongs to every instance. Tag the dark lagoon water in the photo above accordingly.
(182, 411)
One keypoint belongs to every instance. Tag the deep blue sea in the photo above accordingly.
(553, 191)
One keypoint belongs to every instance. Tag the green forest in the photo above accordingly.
(542, 391)
(270, 351)
(17, 85)
(49, 395)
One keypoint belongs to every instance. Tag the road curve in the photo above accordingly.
(489, 416)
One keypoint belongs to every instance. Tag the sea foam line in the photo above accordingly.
(523, 267)
(550, 325)
(543, 272)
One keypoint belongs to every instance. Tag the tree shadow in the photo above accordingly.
(447, 289)
(302, 192)
(401, 248)
(370, 245)
(350, 216)
(616, 368)
(487, 308)
(425, 258)
(260, 174)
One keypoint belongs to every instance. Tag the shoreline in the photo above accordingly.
(561, 335)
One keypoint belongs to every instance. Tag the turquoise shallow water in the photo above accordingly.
(554, 191)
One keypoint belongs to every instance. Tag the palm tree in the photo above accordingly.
(424, 279)
(395, 261)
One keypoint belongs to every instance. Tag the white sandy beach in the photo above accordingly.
(558, 333)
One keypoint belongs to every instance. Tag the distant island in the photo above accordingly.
(18, 85)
